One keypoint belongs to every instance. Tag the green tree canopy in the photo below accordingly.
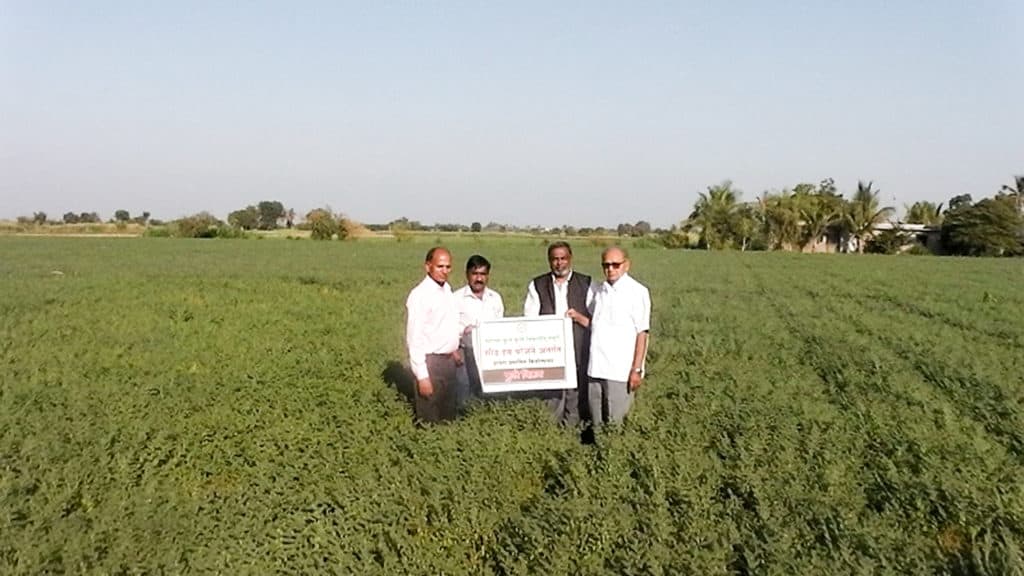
(269, 213)
(713, 213)
(246, 219)
(322, 224)
(924, 213)
(988, 228)
(864, 213)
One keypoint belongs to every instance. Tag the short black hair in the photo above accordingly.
(559, 244)
(477, 261)
(430, 253)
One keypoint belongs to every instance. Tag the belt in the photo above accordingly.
(446, 355)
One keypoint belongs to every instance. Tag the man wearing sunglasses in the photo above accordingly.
(563, 292)
(620, 319)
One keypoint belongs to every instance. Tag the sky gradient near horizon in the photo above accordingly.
(525, 113)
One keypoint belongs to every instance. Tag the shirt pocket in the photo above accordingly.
(605, 311)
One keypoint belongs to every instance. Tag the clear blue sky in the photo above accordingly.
(549, 113)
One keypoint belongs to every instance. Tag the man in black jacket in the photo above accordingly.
(564, 293)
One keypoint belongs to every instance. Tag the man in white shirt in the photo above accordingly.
(432, 337)
(475, 302)
(563, 292)
(620, 319)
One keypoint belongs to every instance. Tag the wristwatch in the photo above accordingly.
(638, 370)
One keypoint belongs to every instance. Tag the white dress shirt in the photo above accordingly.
(531, 307)
(619, 312)
(472, 310)
(432, 324)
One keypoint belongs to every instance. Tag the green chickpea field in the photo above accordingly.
(236, 407)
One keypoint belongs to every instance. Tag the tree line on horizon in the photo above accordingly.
(803, 217)
(120, 217)
(796, 219)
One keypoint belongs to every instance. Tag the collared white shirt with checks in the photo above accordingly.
(619, 312)
(432, 323)
(472, 310)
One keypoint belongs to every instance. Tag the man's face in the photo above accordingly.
(560, 261)
(439, 266)
(614, 264)
(477, 278)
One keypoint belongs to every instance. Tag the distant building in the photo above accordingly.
(917, 234)
(831, 241)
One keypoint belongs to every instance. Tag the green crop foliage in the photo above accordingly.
(217, 406)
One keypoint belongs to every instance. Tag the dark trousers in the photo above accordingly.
(468, 378)
(443, 403)
(569, 407)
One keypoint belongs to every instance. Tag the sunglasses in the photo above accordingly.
(612, 265)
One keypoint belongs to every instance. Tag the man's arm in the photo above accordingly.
(636, 373)
(531, 307)
(642, 323)
(460, 310)
(414, 342)
(578, 317)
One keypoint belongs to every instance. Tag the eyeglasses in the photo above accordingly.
(612, 265)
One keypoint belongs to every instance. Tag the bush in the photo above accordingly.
(157, 232)
(401, 232)
(322, 225)
(675, 239)
(886, 242)
(646, 243)
(202, 225)
(230, 232)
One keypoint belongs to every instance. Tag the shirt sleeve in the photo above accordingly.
(532, 305)
(591, 293)
(461, 312)
(642, 311)
(499, 307)
(414, 337)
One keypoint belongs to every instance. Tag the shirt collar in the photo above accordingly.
(622, 282)
(430, 282)
(554, 279)
(467, 292)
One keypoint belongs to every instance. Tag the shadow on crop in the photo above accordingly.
(397, 376)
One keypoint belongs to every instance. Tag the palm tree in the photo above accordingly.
(1016, 190)
(863, 213)
(817, 216)
(924, 213)
(744, 225)
(781, 219)
(713, 214)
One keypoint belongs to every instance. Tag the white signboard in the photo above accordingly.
(514, 354)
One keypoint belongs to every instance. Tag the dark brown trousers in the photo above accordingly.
(443, 403)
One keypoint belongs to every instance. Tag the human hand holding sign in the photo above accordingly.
(578, 317)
